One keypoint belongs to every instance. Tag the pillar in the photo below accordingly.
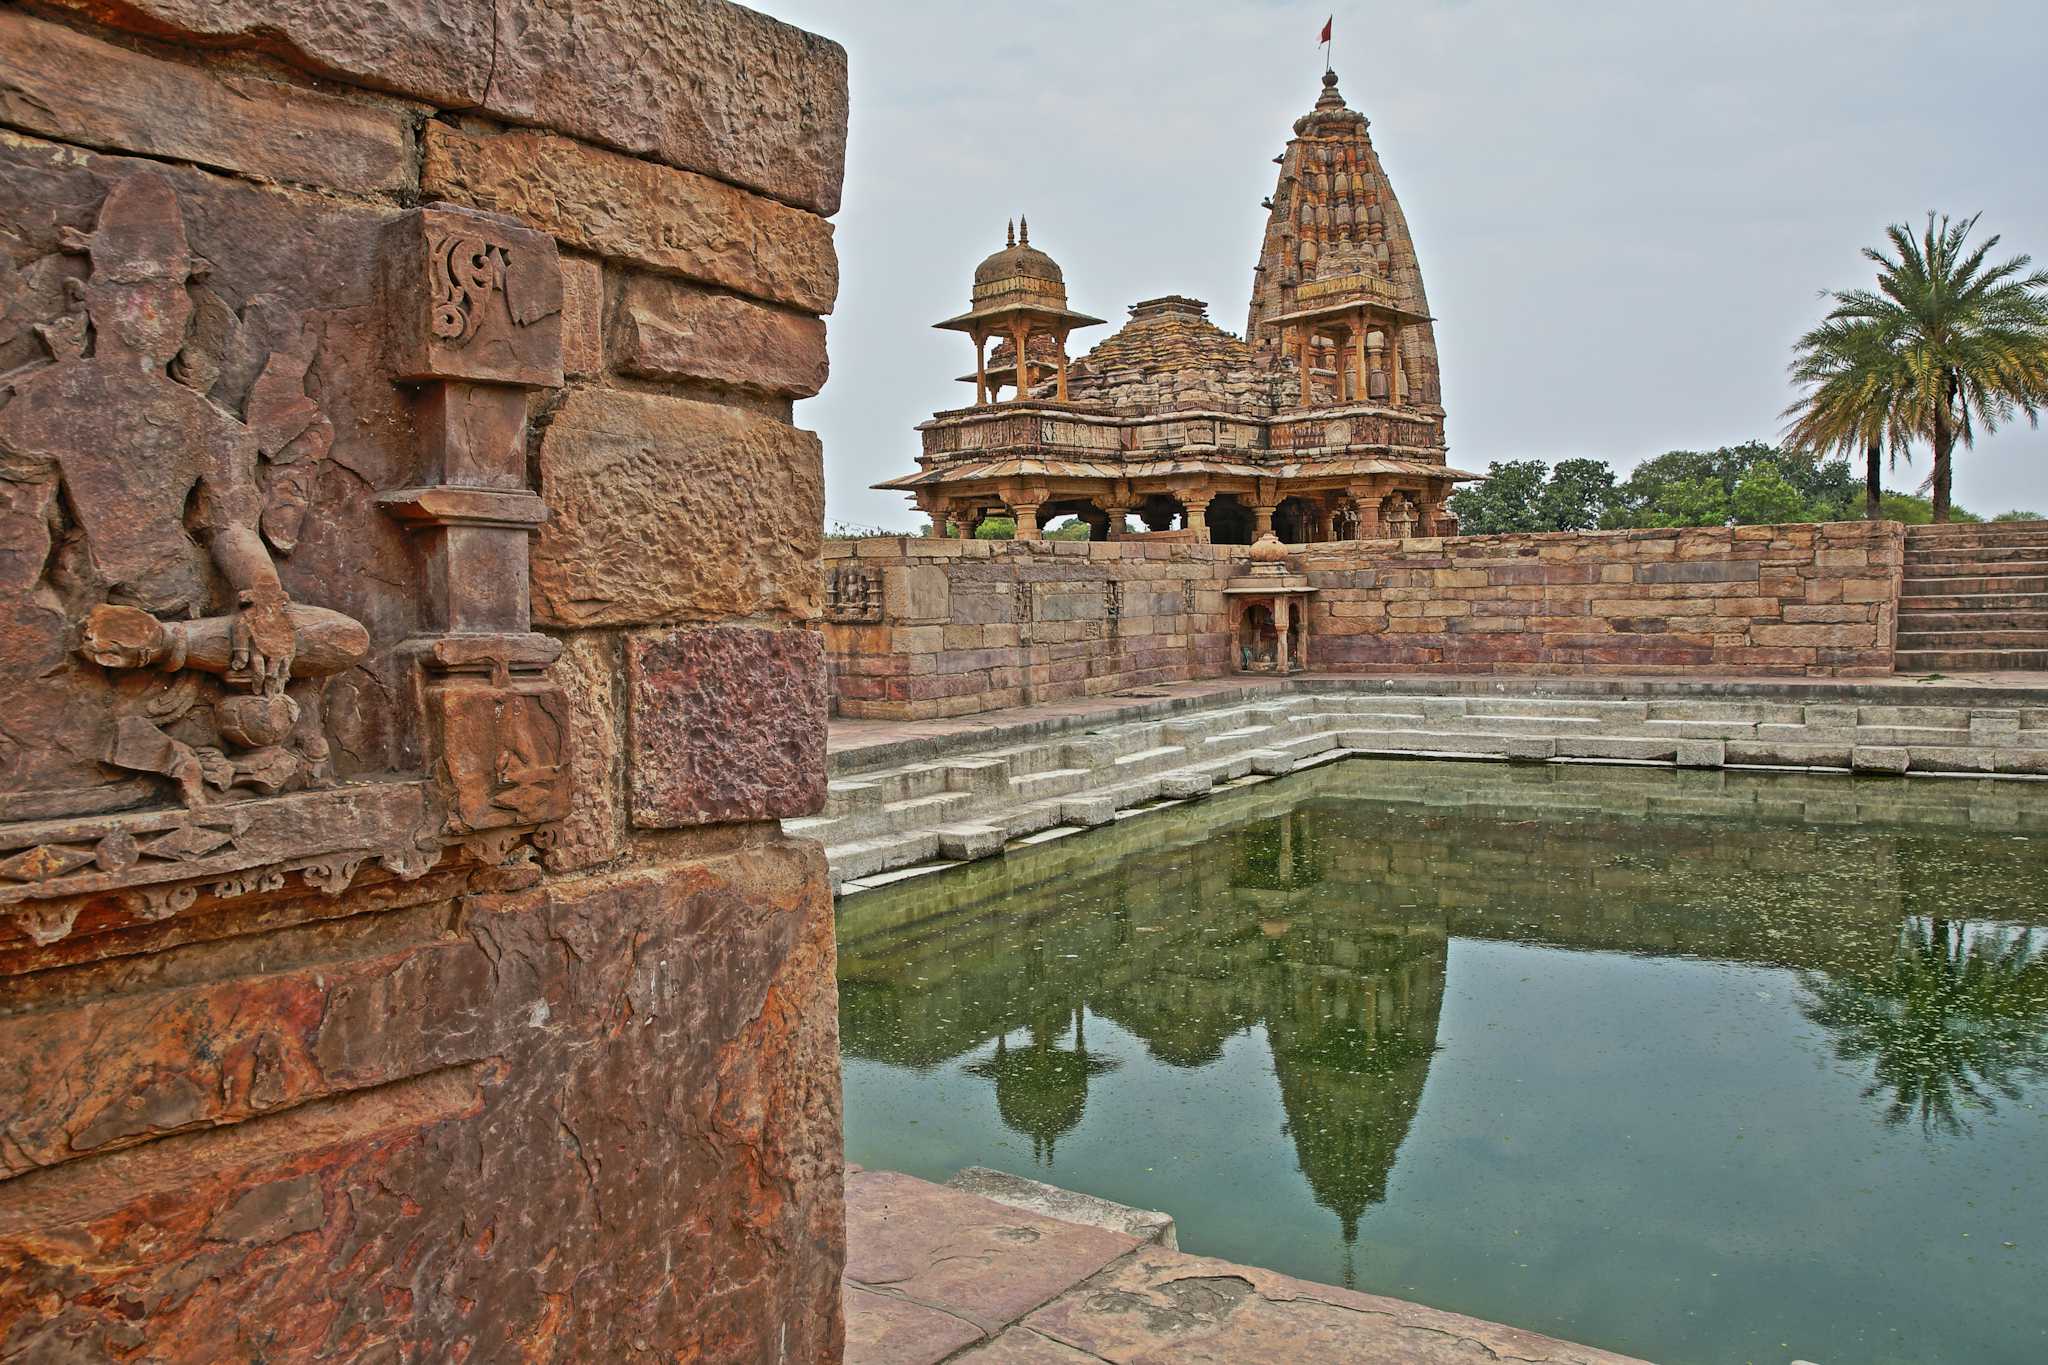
(1026, 514)
(1262, 518)
(1198, 514)
(1368, 505)
(1301, 634)
(1280, 605)
(980, 368)
(1359, 355)
(1394, 360)
(1062, 391)
(1020, 336)
(1307, 346)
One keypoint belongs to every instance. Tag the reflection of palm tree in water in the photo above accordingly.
(1957, 1013)
(1042, 1090)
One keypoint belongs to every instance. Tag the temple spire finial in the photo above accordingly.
(1010, 233)
(1023, 230)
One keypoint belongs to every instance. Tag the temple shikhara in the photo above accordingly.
(1325, 421)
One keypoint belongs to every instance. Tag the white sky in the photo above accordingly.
(1625, 209)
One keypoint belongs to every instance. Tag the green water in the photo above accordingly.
(1699, 1067)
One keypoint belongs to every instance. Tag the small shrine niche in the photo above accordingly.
(1268, 613)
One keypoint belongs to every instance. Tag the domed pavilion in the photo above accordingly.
(1325, 421)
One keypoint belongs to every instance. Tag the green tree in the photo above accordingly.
(1577, 497)
(1765, 497)
(996, 528)
(1857, 398)
(1971, 336)
(1507, 501)
(2017, 515)
(1910, 509)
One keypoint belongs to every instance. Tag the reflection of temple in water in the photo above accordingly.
(1324, 918)
(1183, 957)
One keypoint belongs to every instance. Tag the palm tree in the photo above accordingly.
(1971, 337)
(1857, 388)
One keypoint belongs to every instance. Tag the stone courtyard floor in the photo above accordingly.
(936, 1273)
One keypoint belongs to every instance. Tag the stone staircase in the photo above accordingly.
(1975, 599)
(976, 801)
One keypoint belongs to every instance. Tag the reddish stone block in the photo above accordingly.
(472, 296)
(725, 723)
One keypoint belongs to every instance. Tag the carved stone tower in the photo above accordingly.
(1338, 291)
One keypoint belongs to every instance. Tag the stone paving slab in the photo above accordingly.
(983, 1262)
(883, 1327)
(1158, 1306)
(935, 1273)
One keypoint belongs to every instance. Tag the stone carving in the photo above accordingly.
(505, 754)
(1399, 517)
(854, 594)
(144, 517)
(1113, 605)
(466, 272)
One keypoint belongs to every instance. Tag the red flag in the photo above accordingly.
(1326, 30)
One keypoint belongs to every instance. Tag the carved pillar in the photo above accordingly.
(1022, 334)
(1262, 518)
(1395, 372)
(1280, 605)
(1063, 367)
(980, 368)
(1366, 502)
(1307, 347)
(1358, 352)
(1197, 513)
(474, 308)
(1027, 520)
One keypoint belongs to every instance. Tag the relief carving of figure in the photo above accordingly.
(138, 512)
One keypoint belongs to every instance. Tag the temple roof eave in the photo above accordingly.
(958, 472)
(973, 319)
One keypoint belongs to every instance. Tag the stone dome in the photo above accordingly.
(1267, 549)
(1020, 269)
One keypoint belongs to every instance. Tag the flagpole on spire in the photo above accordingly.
(1329, 25)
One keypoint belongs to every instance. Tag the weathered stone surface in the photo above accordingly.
(582, 317)
(979, 1260)
(440, 52)
(727, 723)
(641, 1123)
(591, 675)
(882, 1329)
(230, 120)
(668, 220)
(667, 509)
(701, 84)
(672, 331)
(1164, 1306)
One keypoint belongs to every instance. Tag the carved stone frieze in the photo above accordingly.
(853, 594)
(172, 464)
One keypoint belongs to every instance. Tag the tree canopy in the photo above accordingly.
(1754, 483)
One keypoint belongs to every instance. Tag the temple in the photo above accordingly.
(1324, 422)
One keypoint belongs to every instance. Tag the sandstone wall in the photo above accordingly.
(489, 1016)
(1805, 600)
(924, 628)
(919, 628)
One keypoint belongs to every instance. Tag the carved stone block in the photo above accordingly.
(504, 752)
(726, 723)
(472, 296)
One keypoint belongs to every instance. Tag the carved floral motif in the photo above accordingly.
(467, 272)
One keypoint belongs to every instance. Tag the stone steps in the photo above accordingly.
(1974, 585)
(1978, 638)
(996, 797)
(1971, 660)
(1982, 618)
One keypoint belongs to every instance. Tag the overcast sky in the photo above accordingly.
(1625, 209)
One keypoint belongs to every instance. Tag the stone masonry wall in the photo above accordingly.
(1803, 600)
(924, 628)
(919, 628)
(544, 1065)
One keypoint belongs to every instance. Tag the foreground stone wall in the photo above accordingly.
(406, 657)
(924, 628)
